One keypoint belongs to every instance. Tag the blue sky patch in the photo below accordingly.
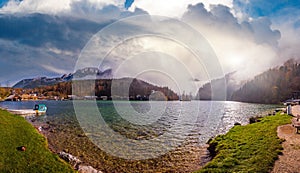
(3, 2)
(259, 8)
(128, 3)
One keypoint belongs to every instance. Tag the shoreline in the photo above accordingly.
(69, 159)
(254, 147)
(16, 133)
(50, 133)
(205, 157)
(45, 129)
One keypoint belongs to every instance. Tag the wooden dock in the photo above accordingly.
(26, 112)
(23, 112)
(39, 109)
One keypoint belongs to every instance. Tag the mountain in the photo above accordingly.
(45, 81)
(272, 86)
(41, 81)
(90, 82)
(94, 73)
(223, 88)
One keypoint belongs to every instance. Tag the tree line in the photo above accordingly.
(134, 89)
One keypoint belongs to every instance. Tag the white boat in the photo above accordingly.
(39, 109)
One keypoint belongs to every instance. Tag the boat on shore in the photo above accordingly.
(39, 109)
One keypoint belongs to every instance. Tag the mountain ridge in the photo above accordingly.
(46, 81)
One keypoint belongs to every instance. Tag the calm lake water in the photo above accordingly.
(136, 136)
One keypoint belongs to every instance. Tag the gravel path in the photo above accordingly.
(289, 162)
(296, 110)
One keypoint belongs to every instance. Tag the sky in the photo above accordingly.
(48, 37)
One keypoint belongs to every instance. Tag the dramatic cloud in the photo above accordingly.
(239, 45)
(247, 36)
(20, 61)
(173, 8)
(284, 15)
(49, 43)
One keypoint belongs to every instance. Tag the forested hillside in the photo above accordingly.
(272, 86)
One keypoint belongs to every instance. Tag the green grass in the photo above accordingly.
(251, 148)
(15, 131)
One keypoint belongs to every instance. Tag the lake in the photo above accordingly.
(123, 136)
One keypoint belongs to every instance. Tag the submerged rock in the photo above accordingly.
(87, 169)
(254, 119)
(75, 162)
(237, 124)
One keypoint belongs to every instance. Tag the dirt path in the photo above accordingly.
(289, 162)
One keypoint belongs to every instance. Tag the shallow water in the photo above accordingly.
(139, 136)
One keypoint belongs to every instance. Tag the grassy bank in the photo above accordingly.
(250, 148)
(16, 132)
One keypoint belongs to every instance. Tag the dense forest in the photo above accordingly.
(273, 86)
(133, 89)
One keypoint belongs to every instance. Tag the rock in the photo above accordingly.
(21, 148)
(40, 128)
(81, 135)
(70, 159)
(237, 124)
(254, 119)
(87, 169)
(46, 127)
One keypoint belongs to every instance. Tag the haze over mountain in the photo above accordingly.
(273, 86)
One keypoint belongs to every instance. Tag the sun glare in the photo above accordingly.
(235, 61)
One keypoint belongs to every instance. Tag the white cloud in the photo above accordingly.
(53, 6)
(248, 47)
(289, 44)
(32, 6)
(174, 8)
(55, 69)
(61, 52)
